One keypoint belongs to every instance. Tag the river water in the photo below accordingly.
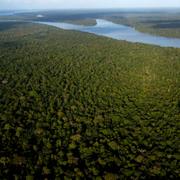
(119, 32)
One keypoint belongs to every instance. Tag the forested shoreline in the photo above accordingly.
(161, 22)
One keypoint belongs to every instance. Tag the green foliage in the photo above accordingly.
(110, 176)
(29, 177)
(74, 105)
(153, 23)
(113, 145)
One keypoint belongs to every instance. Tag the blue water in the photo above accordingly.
(119, 32)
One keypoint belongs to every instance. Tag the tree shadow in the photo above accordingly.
(9, 25)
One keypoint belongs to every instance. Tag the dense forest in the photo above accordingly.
(77, 106)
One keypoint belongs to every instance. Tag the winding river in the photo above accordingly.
(119, 32)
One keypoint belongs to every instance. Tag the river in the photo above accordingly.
(119, 32)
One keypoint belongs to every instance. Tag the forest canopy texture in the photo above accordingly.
(78, 106)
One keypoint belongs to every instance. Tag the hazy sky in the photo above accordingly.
(65, 4)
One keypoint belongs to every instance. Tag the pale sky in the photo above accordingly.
(88, 4)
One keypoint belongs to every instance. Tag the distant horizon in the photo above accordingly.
(111, 8)
(86, 4)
